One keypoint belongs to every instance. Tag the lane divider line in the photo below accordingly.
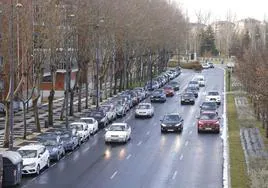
(140, 142)
(114, 174)
(174, 175)
(128, 157)
(186, 143)
(181, 157)
(190, 132)
(148, 133)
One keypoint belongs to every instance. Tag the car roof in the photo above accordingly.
(77, 122)
(119, 124)
(209, 112)
(145, 103)
(31, 147)
(173, 113)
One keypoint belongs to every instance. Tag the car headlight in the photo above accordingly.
(121, 136)
(32, 164)
(102, 120)
(54, 150)
(191, 99)
(177, 125)
(163, 125)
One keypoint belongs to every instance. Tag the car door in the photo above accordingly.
(128, 130)
(42, 158)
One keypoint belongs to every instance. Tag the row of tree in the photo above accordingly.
(127, 41)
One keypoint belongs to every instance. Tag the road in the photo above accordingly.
(150, 159)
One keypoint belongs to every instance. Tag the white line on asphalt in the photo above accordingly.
(148, 133)
(128, 156)
(69, 153)
(174, 175)
(181, 157)
(140, 142)
(114, 174)
(186, 143)
(53, 165)
(190, 132)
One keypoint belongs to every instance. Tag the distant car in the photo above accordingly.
(169, 91)
(54, 145)
(34, 158)
(100, 116)
(175, 85)
(92, 124)
(194, 83)
(70, 140)
(201, 80)
(205, 65)
(187, 98)
(192, 90)
(118, 132)
(208, 121)
(158, 96)
(172, 122)
(211, 65)
(213, 96)
(144, 110)
(82, 129)
(209, 106)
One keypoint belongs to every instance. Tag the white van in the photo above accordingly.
(201, 80)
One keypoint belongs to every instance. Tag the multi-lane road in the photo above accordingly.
(150, 159)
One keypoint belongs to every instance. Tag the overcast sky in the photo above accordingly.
(257, 9)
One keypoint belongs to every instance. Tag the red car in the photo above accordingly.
(208, 121)
(169, 91)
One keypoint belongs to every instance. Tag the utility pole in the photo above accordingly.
(11, 80)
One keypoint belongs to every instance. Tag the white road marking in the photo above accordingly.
(114, 174)
(148, 133)
(140, 142)
(174, 175)
(186, 143)
(53, 165)
(190, 132)
(128, 156)
(181, 157)
(69, 153)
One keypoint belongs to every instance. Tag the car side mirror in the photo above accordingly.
(200, 106)
(40, 155)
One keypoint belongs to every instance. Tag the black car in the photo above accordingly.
(193, 90)
(100, 116)
(70, 140)
(209, 106)
(172, 122)
(188, 98)
(175, 85)
(158, 96)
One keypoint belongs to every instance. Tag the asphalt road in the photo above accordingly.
(150, 159)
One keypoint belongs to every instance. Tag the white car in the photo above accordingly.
(201, 80)
(92, 124)
(34, 158)
(118, 132)
(82, 130)
(213, 96)
(144, 110)
(205, 65)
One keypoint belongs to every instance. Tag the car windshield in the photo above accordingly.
(28, 153)
(106, 108)
(173, 83)
(208, 116)
(65, 137)
(157, 92)
(89, 121)
(209, 105)
(187, 95)
(117, 128)
(213, 93)
(193, 82)
(79, 127)
(168, 87)
(96, 114)
(49, 142)
(144, 106)
(171, 118)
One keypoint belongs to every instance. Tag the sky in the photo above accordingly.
(218, 9)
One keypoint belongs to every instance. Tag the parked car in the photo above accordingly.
(82, 130)
(192, 90)
(213, 96)
(211, 65)
(172, 122)
(175, 85)
(121, 110)
(109, 109)
(187, 98)
(144, 110)
(118, 132)
(35, 157)
(142, 91)
(54, 145)
(124, 103)
(209, 106)
(100, 116)
(205, 65)
(128, 99)
(158, 96)
(92, 124)
(201, 80)
(69, 140)
(208, 121)
(169, 91)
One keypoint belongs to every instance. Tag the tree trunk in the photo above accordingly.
(24, 121)
(101, 89)
(7, 127)
(121, 82)
(115, 84)
(71, 109)
(50, 107)
(79, 108)
(36, 114)
(63, 108)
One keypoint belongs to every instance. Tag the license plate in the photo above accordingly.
(170, 129)
(208, 128)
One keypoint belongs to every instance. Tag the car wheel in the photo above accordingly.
(48, 163)
(38, 170)
(217, 131)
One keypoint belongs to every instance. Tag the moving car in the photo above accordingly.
(201, 80)
(158, 96)
(169, 91)
(118, 132)
(82, 130)
(213, 96)
(209, 106)
(175, 85)
(144, 110)
(194, 83)
(192, 90)
(92, 124)
(34, 158)
(211, 65)
(172, 122)
(208, 121)
(188, 98)
(205, 66)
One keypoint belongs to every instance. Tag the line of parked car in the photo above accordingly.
(53, 145)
